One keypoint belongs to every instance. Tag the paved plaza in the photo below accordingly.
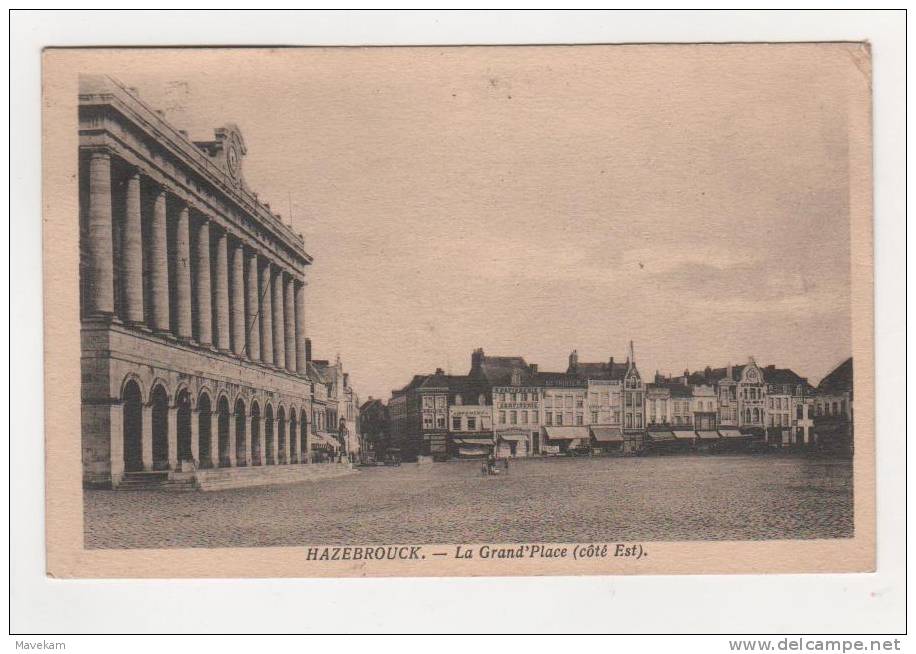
(588, 499)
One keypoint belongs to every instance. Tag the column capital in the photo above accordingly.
(98, 151)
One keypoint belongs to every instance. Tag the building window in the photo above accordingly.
(559, 418)
(502, 417)
(513, 418)
(456, 423)
(427, 402)
(578, 418)
(458, 400)
(616, 417)
(427, 422)
(534, 417)
(440, 422)
(548, 417)
(524, 417)
(594, 417)
(569, 401)
(638, 420)
(579, 402)
(629, 421)
(472, 423)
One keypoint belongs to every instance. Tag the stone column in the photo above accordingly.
(237, 286)
(100, 265)
(294, 442)
(195, 436)
(183, 274)
(132, 253)
(173, 436)
(146, 437)
(159, 266)
(278, 320)
(204, 292)
(267, 330)
(252, 328)
(232, 460)
(214, 436)
(222, 292)
(300, 327)
(116, 440)
(262, 440)
(308, 437)
(289, 326)
(273, 440)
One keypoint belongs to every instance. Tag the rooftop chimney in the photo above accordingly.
(440, 371)
(632, 354)
(533, 367)
(477, 358)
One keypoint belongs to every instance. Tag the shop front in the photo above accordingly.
(568, 439)
(470, 446)
(607, 440)
(513, 443)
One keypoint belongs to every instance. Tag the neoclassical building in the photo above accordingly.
(192, 301)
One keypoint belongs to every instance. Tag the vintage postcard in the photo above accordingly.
(454, 311)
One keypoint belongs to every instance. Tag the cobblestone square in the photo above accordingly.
(553, 500)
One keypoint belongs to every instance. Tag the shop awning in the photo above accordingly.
(730, 433)
(566, 433)
(607, 434)
(473, 441)
(473, 451)
(325, 440)
(512, 435)
(660, 436)
(683, 435)
(708, 435)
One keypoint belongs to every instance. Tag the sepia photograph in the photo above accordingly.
(558, 307)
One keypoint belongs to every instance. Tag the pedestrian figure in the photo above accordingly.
(506, 464)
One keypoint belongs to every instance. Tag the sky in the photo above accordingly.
(532, 201)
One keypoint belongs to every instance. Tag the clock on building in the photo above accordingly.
(233, 160)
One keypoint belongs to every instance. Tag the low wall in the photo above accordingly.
(224, 478)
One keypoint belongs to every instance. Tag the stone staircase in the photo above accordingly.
(224, 478)
(212, 479)
(158, 480)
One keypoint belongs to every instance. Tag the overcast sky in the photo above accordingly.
(694, 200)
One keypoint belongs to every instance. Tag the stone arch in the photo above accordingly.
(132, 408)
(223, 394)
(180, 387)
(133, 377)
(159, 402)
(282, 448)
(161, 383)
(255, 433)
(270, 456)
(222, 429)
(241, 442)
(205, 428)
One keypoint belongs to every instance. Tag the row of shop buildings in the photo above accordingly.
(192, 308)
(507, 407)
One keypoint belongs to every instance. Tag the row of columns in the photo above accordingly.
(265, 320)
(292, 452)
